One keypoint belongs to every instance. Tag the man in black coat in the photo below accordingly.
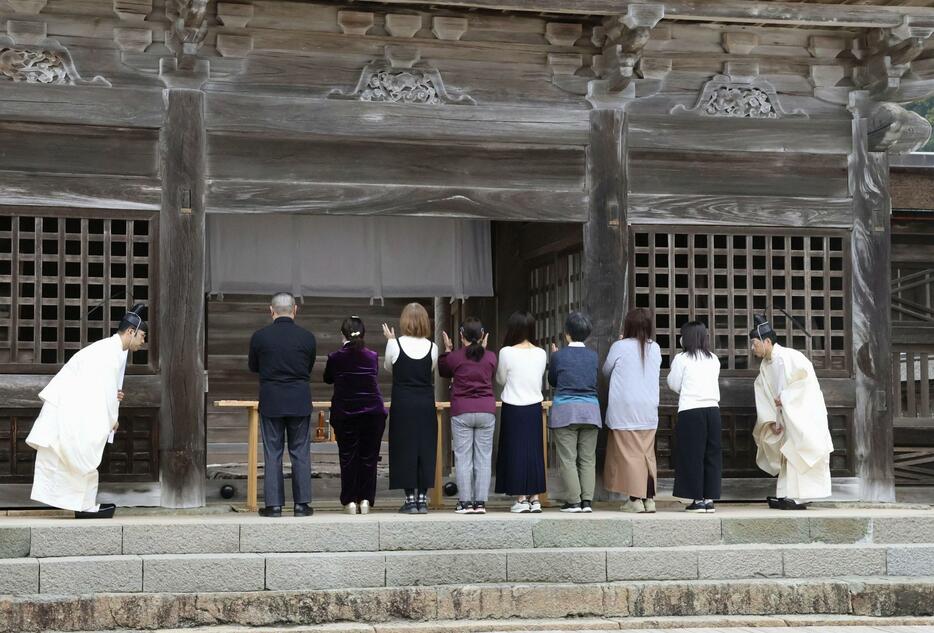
(283, 354)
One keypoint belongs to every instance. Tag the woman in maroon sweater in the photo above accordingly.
(358, 415)
(473, 413)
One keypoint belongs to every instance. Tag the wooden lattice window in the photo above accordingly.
(66, 279)
(739, 449)
(134, 455)
(555, 289)
(724, 277)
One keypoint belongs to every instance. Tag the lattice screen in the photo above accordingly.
(723, 277)
(739, 449)
(555, 290)
(66, 281)
(134, 455)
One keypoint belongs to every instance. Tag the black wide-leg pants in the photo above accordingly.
(698, 454)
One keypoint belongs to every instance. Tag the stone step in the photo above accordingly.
(648, 601)
(198, 573)
(696, 624)
(384, 532)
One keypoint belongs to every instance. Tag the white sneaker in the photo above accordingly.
(365, 506)
(636, 507)
(350, 508)
(649, 505)
(520, 507)
(535, 506)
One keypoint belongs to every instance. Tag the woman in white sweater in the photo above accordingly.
(695, 376)
(520, 464)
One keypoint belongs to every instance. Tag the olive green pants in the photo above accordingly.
(577, 460)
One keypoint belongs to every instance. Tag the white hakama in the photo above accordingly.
(79, 411)
(800, 454)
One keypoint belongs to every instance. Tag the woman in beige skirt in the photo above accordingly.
(632, 412)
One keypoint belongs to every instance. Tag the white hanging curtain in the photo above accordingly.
(349, 256)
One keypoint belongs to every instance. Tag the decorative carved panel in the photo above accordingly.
(44, 63)
(65, 282)
(729, 96)
(390, 80)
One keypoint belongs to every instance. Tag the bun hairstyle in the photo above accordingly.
(472, 331)
(353, 330)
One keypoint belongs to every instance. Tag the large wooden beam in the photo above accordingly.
(785, 13)
(181, 300)
(871, 331)
(229, 196)
(732, 210)
(21, 391)
(606, 237)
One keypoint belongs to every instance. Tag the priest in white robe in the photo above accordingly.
(791, 430)
(79, 414)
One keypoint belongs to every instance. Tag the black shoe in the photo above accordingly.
(774, 502)
(708, 507)
(303, 510)
(463, 507)
(479, 507)
(791, 504)
(409, 507)
(106, 511)
(571, 507)
(422, 504)
(271, 511)
(586, 506)
(697, 506)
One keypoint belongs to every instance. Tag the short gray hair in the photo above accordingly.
(282, 303)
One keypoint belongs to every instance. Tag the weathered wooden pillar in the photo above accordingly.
(606, 236)
(181, 299)
(871, 301)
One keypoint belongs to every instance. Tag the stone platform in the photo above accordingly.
(163, 571)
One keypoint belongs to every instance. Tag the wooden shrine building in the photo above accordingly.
(705, 158)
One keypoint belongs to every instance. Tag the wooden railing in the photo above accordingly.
(252, 407)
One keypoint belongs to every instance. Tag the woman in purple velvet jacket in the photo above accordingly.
(358, 416)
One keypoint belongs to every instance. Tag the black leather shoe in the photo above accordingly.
(106, 511)
(774, 502)
(303, 510)
(791, 504)
(271, 511)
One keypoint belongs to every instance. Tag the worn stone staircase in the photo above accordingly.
(180, 571)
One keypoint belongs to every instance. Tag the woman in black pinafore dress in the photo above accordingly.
(413, 430)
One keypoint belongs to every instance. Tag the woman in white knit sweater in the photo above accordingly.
(695, 376)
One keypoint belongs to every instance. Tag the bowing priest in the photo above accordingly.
(791, 429)
(78, 417)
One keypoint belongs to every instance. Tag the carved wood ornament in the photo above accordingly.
(738, 97)
(42, 62)
(399, 78)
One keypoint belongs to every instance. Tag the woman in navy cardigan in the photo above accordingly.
(358, 415)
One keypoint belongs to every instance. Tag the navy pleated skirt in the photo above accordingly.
(520, 463)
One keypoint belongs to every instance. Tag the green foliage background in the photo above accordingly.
(926, 109)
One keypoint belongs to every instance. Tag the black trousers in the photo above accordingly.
(358, 442)
(698, 455)
(275, 431)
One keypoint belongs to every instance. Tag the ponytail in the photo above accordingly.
(353, 330)
(472, 331)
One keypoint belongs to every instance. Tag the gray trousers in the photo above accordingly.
(275, 431)
(473, 449)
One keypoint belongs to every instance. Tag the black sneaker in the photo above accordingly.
(409, 507)
(708, 507)
(586, 506)
(463, 507)
(422, 504)
(571, 507)
(479, 507)
(696, 506)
